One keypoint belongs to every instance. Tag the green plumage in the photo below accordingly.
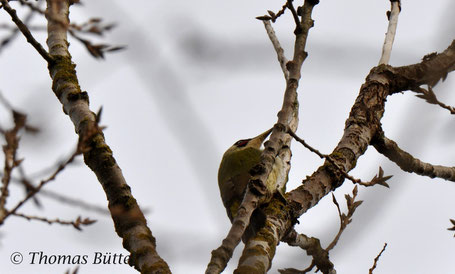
(233, 177)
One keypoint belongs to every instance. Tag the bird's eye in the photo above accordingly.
(242, 143)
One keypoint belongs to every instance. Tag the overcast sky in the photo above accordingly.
(197, 76)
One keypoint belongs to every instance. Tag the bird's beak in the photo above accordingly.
(258, 140)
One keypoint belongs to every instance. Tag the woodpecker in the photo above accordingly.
(233, 177)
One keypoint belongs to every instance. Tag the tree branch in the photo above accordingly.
(391, 30)
(430, 97)
(128, 218)
(76, 224)
(14, 31)
(279, 144)
(377, 259)
(28, 35)
(364, 122)
(276, 45)
(409, 163)
(378, 179)
(345, 219)
(361, 126)
(35, 190)
(10, 149)
(313, 248)
(428, 72)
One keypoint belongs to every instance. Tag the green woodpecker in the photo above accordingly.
(233, 177)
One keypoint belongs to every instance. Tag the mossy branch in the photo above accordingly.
(363, 122)
(277, 146)
(128, 218)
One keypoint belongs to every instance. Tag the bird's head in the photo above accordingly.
(255, 142)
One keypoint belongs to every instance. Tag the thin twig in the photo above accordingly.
(352, 205)
(273, 16)
(96, 50)
(391, 30)
(24, 180)
(377, 179)
(76, 224)
(27, 185)
(10, 149)
(377, 259)
(298, 25)
(76, 202)
(430, 97)
(14, 30)
(279, 13)
(32, 7)
(324, 156)
(26, 32)
(277, 46)
(60, 168)
(310, 148)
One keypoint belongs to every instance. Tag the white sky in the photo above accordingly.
(197, 76)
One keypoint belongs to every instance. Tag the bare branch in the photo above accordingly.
(430, 97)
(433, 68)
(352, 205)
(363, 123)
(96, 50)
(377, 259)
(93, 26)
(74, 202)
(391, 30)
(278, 146)
(279, 50)
(313, 248)
(32, 7)
(409, 163)
(26, 32)
(32, 192)
(273, 16)
(65, 199)
(14, 30)
(76, 224)
(298, 26)
(128, 218)
(378, 179)
(10, 149)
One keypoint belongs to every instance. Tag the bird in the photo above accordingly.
(233, 177)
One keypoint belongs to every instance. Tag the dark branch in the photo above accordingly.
(26, 32)
(430, 97)
(377, 259)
